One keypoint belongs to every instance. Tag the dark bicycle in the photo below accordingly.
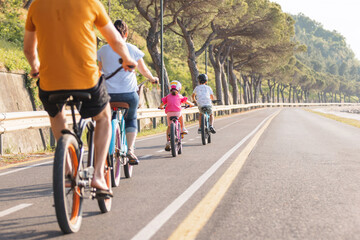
(205, 125)
(72, 173)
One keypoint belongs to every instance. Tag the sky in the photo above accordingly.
(340, 15)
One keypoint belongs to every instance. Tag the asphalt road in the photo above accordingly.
(268, 174)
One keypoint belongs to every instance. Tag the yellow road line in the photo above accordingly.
(197, 219)
(25, 162)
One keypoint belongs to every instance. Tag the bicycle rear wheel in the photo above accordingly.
(67, 195)
(173, 142)
(105, 203)
(203, 129)
(115, 158)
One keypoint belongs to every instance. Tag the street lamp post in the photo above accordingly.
(162, 46)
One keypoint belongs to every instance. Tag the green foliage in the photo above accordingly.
(12, 57)
(11, 23)
(327, 50)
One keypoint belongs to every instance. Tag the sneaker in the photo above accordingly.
(212, 130)
(199, 131)
(167, 146)
(184, 131)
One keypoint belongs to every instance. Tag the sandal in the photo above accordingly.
(101, 193)
(133, 160)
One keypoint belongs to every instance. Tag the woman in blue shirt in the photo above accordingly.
(122, 87)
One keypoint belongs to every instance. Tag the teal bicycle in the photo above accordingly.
(205, 125)
(118, 144)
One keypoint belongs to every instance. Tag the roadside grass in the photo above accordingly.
(12, 58)
(352, 122)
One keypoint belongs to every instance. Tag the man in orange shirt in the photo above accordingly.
(61, 34)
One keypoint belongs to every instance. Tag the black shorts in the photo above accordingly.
(91, 108)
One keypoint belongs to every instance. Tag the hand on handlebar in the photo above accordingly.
(155, 80)
(35, 75)
(128, 64)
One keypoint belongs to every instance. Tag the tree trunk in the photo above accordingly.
(233, 81)
(245, 87)
(215, 62)
(290, 89)
(191, 53)
(225, 85)
(26, 4)
(152, 44)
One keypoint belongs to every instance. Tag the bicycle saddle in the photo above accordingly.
(117, 105)
(63, 97)
(173, 118)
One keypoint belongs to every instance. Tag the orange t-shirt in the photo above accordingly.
(66, 41)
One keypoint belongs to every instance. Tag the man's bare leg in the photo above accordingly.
(101, 142)
(58, 123)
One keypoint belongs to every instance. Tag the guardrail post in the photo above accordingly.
(52, 139)
(138, 123)
(154, 123)
(1, 144)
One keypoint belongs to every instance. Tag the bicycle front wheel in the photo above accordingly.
(115, 158)
(67, 195)
(173, 141)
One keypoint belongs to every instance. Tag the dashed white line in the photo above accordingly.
(14, 209)
(145, 156)
(20, 169)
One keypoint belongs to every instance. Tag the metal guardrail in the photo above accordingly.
(15, 121)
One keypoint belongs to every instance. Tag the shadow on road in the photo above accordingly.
(26, 192)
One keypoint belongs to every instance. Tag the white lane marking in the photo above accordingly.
(24, 168)
(230, 124)
(146, 156)
(183, 142)
(161, 151)
(14, 209)
(154, 225)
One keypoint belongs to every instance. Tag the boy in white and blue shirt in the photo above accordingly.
(203, 96)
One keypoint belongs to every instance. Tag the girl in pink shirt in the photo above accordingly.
(173, 103)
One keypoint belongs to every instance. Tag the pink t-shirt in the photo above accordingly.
(173, 102)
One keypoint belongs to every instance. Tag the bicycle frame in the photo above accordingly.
(175, 137)
(118, 118)
(205, 128)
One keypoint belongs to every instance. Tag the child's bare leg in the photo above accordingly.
(167, 133)
(181, 119)
(200, 116)
(211, 120)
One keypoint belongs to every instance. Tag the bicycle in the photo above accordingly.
(205, 125)
(72, 174)
(118, 144)
(175, 135)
